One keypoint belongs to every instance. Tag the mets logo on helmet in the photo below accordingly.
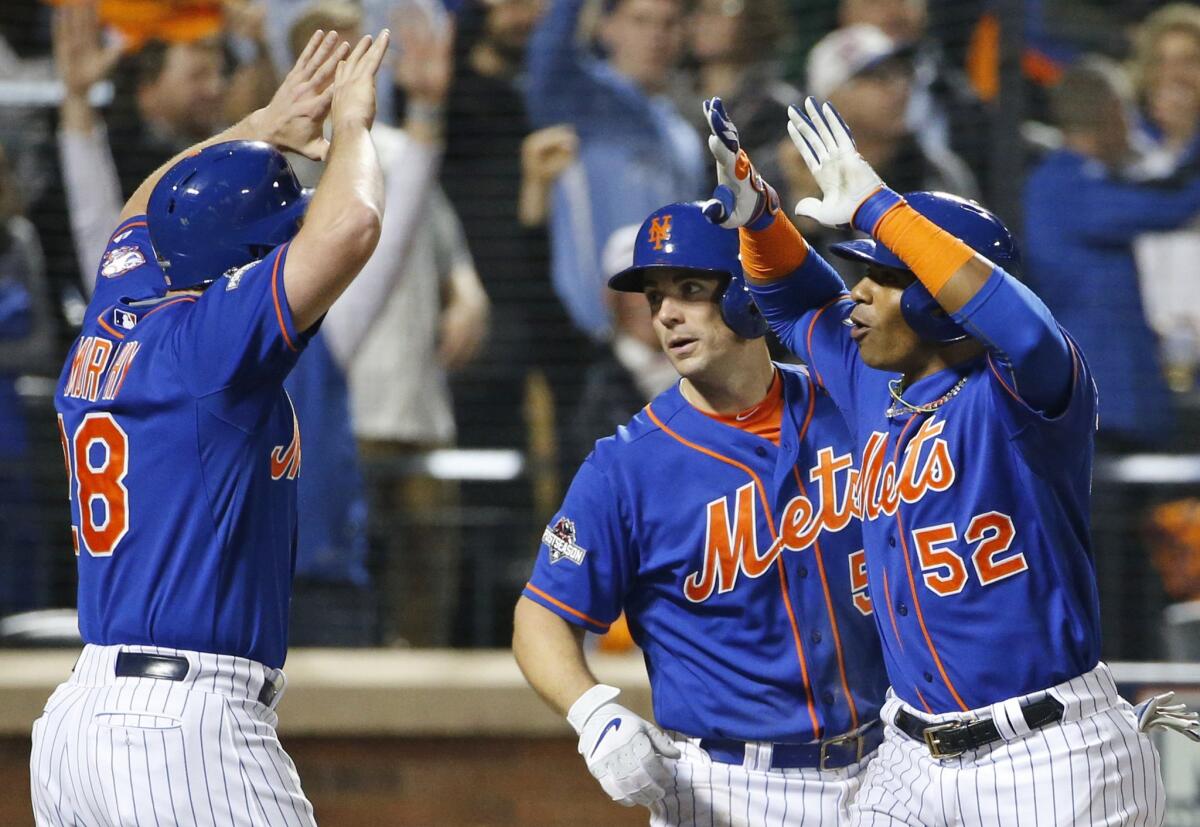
(660, 231)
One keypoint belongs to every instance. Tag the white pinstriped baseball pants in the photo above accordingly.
(1091, 768)
(707, 793)
(113, 751)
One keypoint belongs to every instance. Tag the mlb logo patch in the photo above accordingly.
(560, 539)
(124, 319)
(121, 260)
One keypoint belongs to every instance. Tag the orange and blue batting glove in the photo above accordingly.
(742, 198)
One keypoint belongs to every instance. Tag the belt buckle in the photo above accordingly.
(935, 744)
(841, 739)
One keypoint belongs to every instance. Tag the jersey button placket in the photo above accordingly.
(902, 609)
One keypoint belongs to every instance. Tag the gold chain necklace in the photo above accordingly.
(901, 406)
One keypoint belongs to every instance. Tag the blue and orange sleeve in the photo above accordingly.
(585, 564)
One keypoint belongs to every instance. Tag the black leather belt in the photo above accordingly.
(952, 738)
(174, 668)
(830, 754)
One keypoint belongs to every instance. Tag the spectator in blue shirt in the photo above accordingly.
(636, 151)
(1081, 219)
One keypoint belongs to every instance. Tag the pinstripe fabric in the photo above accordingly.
(705, 793)
(140, 751)
(1092, 768)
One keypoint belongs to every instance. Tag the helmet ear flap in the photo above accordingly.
(927, 318)
(739, 311)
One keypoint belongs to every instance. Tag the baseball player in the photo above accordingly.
(182, 453)
(720, 520)
(973, 414)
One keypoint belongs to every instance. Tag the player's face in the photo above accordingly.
(687, 321)
(884, 339)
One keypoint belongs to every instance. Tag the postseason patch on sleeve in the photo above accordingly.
(121, 260)
(560, 540)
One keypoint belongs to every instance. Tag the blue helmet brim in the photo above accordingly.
(868, 251)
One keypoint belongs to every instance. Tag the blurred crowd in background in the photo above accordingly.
(500, 356)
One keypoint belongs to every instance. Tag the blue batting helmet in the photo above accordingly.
(678, 236)
(978, 228)
(227, 205)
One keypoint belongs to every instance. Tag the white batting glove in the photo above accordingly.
(742, 198)
(846, 180)
(623, 751)
(1160, 713)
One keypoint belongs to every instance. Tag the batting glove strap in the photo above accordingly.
(589, 702)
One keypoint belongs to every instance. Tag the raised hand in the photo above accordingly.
(296, 113)
(354, 83)
(79, 57)
(845, 179)
(425, 65)
(742, 198)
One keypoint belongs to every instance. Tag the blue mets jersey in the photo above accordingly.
(737, 563)
(182, 453)
(975, 514)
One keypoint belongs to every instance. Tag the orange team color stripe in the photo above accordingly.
(912, 585)
(812, 709)
(809, 337)
(924, 703)
(929, 251)
(837, 637)
(125, 227)
(774, 252)
(565, 607)
(275, 295)
(164, 305)
(104, 325)
(887, 596)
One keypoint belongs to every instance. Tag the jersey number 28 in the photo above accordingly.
(97, 460)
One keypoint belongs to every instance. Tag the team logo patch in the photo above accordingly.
(124, 319)
(121, 260)
(560, 539)
(660, 231)
(234, 277)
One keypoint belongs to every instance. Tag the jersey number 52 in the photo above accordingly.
(97, 460)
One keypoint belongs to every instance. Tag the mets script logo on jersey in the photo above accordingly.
(731, 541)
(560, 539)
(285, 462)
(121, 260)
(660, 231)
(882, 487)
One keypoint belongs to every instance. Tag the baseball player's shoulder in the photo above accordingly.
(628, 445)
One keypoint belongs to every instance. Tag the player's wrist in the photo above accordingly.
(872, 208)
(587, 704)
